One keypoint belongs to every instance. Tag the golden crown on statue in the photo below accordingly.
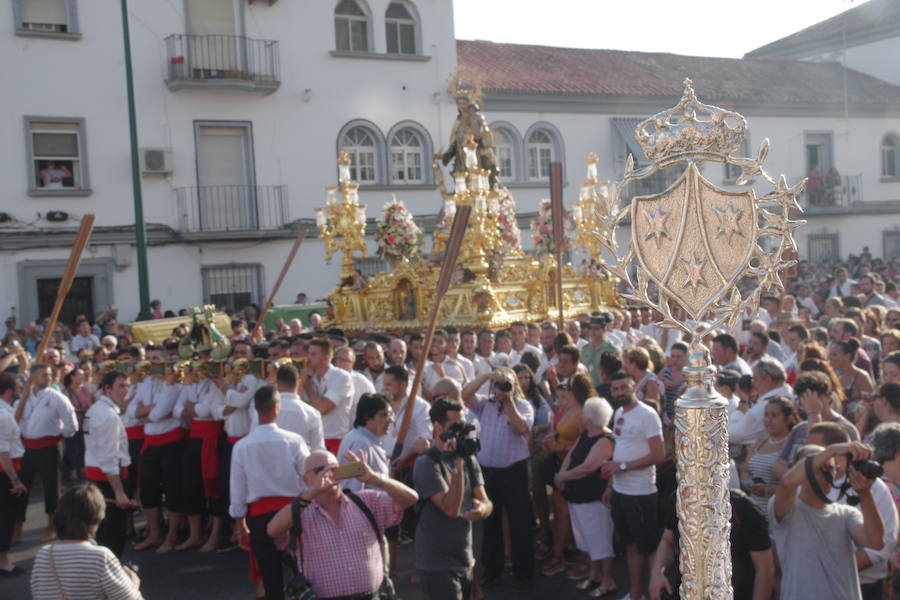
(691, 128)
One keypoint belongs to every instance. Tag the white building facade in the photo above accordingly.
(243, 105)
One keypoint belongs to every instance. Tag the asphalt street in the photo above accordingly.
(191, 575)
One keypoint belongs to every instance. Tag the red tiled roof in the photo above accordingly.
(871, 17)
(527, 69)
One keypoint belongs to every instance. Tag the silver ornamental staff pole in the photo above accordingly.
(700, 256)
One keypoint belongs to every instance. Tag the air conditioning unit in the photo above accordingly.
(156, 161)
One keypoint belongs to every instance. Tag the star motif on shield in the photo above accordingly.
(694, 270)
(728, 221)
(657, 222)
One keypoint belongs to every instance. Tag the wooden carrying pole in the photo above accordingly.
(301, 235)
(453, 246)
(556, 210)
(81, 241)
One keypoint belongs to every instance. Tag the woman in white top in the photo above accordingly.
(636, 362)
(75, 567)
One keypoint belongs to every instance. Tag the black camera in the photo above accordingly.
(466, 442)
(503, 385)
(867, 468)
(745, 382)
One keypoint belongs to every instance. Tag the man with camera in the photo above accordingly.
(449, 480)
(814, 536)
(505, 418)
(339, 551)
(769, 380)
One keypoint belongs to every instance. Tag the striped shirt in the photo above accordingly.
(85, 571)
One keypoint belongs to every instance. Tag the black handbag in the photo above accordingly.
(298, 588)
(386, 591)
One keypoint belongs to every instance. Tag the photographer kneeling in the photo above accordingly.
(449, 481)
(814, 536)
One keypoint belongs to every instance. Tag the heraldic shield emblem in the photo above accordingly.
(695, 239)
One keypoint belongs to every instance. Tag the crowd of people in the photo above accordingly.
(528, 450)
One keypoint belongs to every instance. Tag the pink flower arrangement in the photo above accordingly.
(397, 234)
(508, 223)
(542, 230)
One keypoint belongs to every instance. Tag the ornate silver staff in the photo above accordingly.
(696, 247)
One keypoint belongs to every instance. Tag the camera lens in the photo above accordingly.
(503, 386)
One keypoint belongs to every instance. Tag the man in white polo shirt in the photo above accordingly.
(329, 390)
(633, 495)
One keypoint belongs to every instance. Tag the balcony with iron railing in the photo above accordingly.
(232, 208)
(222, 62)
(831, 192)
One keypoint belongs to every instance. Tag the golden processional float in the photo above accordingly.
(495, 283)
(691, 246)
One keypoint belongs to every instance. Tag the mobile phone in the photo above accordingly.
(348, 470)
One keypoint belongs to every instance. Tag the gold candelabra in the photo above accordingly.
(591, 211)
(472, 188)
(344, 219)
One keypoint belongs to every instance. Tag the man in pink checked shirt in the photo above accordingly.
(341, 557)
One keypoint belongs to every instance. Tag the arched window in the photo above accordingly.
(890, 156)
(400, 25)
(541, 152)
(504, 150)
(407, 157)
(351, 27)
(362, 146)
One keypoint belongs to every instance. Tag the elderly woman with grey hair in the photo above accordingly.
(582, 485)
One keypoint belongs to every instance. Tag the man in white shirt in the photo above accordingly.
(266, 469)
(329, 390)
(374, 359)
(468, 344)
(769, 380)
(294, 414)
(841, 287)
(518, 332)
(440, 365)
(12, 492)
(794, 338)
(106, 459)
(453, 342)
(45, 417)
(396, 388)
(633, 494)
(345, 358)
(160, 460)
(84, 339)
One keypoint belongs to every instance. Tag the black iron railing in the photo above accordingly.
(232, 208)
(222, 58)
(831, 190)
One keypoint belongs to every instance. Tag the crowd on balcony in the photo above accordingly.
(575, 463)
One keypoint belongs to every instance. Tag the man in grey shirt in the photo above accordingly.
(452, 491)
(815, 537)
(373, 418)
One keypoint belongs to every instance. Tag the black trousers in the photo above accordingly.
(134, 451)
(161, 476)
(43, 462)
(113, 527)
(10, 506)
(224, 482)
(268, 558)
(192, 479)
(508, 490)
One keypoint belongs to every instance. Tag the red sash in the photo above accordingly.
(333, 445)
(135, 432)
(17, 465)
(234, 440)
(97, 474)
(209, 432)
(42, 442)
(263, 506)
(169, 437)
